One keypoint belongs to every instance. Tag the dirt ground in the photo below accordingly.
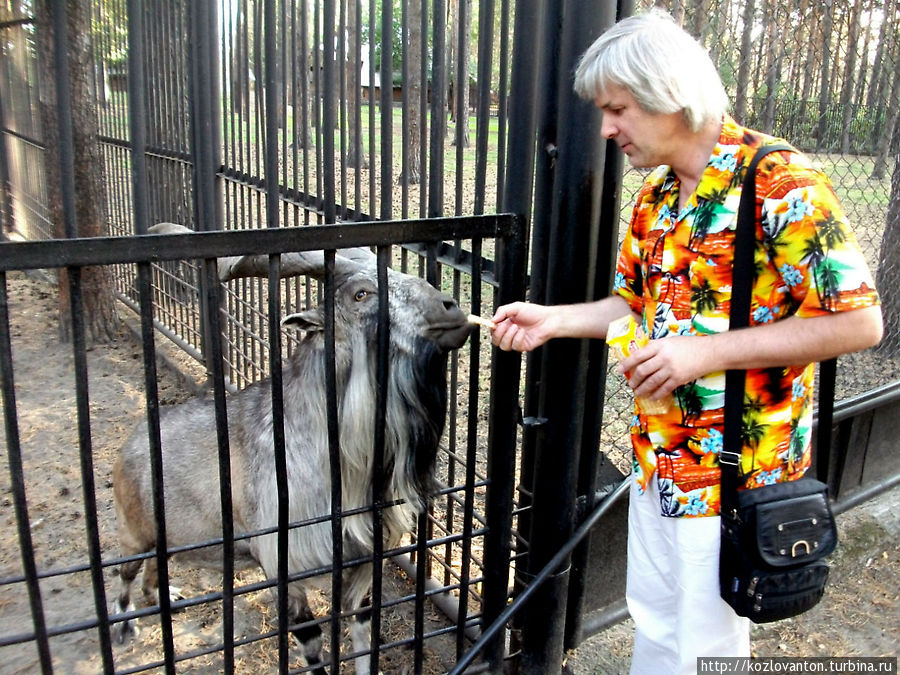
(859, 616)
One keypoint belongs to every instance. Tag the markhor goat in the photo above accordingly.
(424, 326)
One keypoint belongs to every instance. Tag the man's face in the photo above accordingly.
(648, 139)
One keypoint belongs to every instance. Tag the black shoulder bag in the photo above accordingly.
(773, 537)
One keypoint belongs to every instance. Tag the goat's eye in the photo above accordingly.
(360, 295)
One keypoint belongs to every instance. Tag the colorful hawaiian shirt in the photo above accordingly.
(674, 270)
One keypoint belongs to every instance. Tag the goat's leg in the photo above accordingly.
(310, 635)
(127, 573)
(150, 584)
(357, 586)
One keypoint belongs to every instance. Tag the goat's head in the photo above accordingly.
(417, 310)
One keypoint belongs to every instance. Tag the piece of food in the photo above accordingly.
(481, 321)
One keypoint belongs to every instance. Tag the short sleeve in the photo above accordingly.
(812, 247)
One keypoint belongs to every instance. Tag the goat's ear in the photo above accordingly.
(308, 320)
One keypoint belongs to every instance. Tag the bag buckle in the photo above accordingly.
(801, 542)
(733, 458)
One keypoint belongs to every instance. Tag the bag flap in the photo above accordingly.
(796, 530)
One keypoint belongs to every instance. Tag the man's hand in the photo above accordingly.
(522, 326)
(655, 370)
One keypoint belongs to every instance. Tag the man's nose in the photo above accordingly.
(607, 130)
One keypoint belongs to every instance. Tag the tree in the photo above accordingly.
(411, 172)
(100, 316)
(355, 155)
(888, 276)
(847, 103)
(743, 77)
(825, 92)
(461, 72)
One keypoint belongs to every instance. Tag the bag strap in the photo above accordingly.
(742, 282)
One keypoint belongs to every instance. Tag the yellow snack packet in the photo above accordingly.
(624, 336)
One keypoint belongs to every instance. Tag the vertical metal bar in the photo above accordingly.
(7, 223)
(462, 55)
(607, 252)
(342, 101)
(471, 448)
(305, 93)
(216, 370)
(357, 112)
(17, 480)
(67, 179)
(571, 271)
(85, 447)
(334, 454)
(137, 129)
(136, 114)
(502, 434)
(270, 161)
(382, 367)
(387, 111)
(502, 102)
(517, 198)
(438, 116)
(328, 117)
(64, 118)
(595, 393)
(423, 114)
(404, 117)
(371, 100)
(483, 115)
(421, 576)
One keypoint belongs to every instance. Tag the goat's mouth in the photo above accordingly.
(451, 335)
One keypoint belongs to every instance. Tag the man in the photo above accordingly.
(813, 298)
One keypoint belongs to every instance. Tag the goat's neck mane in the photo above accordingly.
(414, 422)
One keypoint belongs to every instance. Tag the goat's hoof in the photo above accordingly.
(124, 630)
(175, 594)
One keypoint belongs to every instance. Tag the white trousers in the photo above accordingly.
(672, 591)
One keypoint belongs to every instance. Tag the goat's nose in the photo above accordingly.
(450, 304)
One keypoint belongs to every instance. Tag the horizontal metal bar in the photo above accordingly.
(869, 400)
(11, 23)
(871, 491)
(27, 139)
(158, 247)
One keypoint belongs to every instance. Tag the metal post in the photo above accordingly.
(502, 447)
(572, 246)
(517, 194)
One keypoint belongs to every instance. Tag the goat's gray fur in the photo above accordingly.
(424, 325)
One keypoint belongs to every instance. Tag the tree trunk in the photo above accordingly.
(848, 85)
(461, 83)
(356, 157)
(412, 172)
(825, 91)
(861, 79)
(98, 299)
(451, 59)
(888, 276)
(885, 144)
(743, 78)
